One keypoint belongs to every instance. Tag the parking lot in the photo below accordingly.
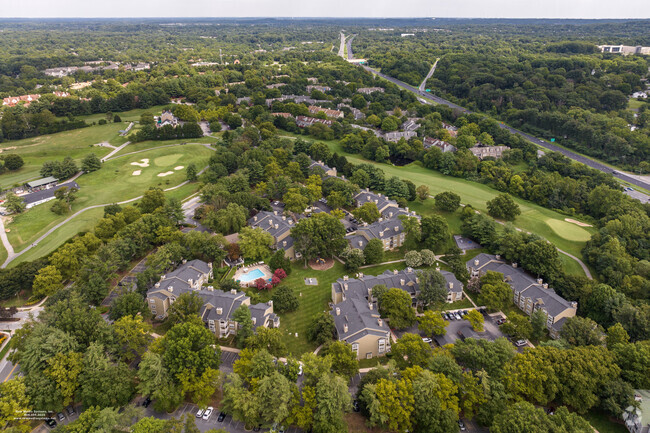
(227, 360)
(43, 428)
(456, 328)
(212, 422)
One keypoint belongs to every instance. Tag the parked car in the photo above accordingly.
(461, 425)
(520, 343)
(60, 416)
(426, 340)
(70, 410)
(501, 321)
(355, 406)
(146, 402)
(199, 414)
(221, 417)
(50, 422)
(457, 316)
(207, 413)
(300, 369)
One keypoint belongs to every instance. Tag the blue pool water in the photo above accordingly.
(251, 276)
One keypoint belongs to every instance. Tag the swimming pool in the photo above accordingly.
(251, 276)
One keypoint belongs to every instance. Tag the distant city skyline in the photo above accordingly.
(585, 9)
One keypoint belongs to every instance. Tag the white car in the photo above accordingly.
(426, 340)
(207, 413)
(457, 316)
(199, 414)
(300, 369)
(520, 343)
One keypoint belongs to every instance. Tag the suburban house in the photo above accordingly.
(356, 113)
(14, 100)
(218, 306)
(396, 136)
(323, 89)
(285, 115)
(355, 311)
(278, 226)
(429, 142)
(369, 90)
(167, 118)
(329, 171)
(304, 121)
(336, 114)
(453, 131)
(638, 420)
(529, 294)
(411, 124)
(482, 152)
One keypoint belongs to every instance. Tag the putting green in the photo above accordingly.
(568, 231)
(167, 160)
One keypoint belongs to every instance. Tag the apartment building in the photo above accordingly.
(529, 294)
(278, 226)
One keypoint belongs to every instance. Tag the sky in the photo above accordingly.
(327, 8)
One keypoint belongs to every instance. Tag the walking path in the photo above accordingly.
(114, 151)
(12, 255)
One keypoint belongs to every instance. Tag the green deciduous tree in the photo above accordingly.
(90, 163)
(395, 305)
(255, 243)
(447, 201)
(503, 207)
(47, 281)
(367, 212)
(431, 323)
(322, 329)
(476, 320)
(374, 251)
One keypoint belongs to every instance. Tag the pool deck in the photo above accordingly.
(263, 267)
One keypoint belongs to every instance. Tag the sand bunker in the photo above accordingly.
(136, 173)
(581, 224)
(167, 173)
(180, 167)
(143, 163)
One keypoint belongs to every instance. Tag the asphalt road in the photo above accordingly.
(550, 146)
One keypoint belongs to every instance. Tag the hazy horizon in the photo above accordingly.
(505, 9)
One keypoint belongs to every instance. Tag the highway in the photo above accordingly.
(545, 144)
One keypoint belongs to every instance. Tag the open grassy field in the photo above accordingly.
(602, 423)
(76, 144)
(114, 182)
(131, 115)
(534, 218)
(145, 145)
(83, 222)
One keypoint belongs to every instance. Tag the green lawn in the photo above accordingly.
(313, 300)
(601, 422)
(84, 222)
(125, 115)
(534, 218)
(143, 145)
(76, 144)
(114, 182)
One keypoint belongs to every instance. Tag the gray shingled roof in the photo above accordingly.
(268, 220)
(357, 315)
(214, 299)
(369, 196)
(523, 283)
(383, 229)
